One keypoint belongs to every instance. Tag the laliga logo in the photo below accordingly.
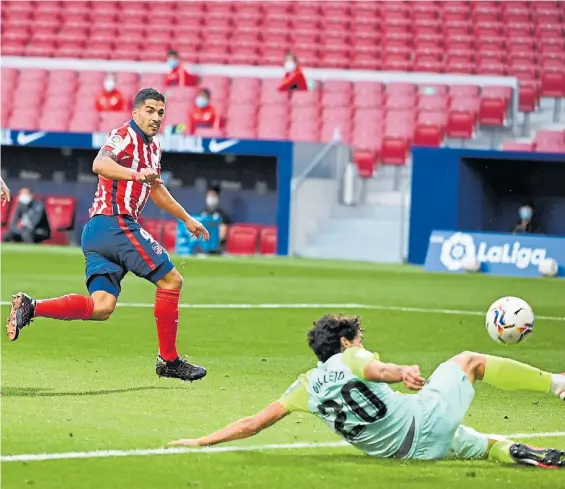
(460, 246)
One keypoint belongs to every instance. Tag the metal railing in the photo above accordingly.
(298, 181)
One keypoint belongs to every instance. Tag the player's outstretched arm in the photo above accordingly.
(164, 200)
(244, 428)
(391, 373)
(106, 165)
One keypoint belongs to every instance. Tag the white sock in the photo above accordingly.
(558, 385)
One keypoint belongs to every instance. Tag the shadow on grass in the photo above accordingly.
(43, 392)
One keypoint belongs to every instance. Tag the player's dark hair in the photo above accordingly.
(147, 94)
(206, 92)
(172, 52)
(325, 337)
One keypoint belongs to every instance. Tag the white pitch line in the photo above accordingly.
(38, 457)
(323, 306)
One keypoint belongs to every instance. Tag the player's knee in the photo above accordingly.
(172, 281)
(473, 364)
(104, 306)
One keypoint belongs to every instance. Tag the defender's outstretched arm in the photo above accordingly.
(391, 373)
(243, 428)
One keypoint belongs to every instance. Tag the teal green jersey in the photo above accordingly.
(369, 415)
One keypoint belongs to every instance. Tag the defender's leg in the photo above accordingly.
(507, 374)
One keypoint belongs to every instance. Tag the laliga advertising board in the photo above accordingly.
(517, 255)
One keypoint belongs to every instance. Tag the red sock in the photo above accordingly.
(68, 307)
(167, 318)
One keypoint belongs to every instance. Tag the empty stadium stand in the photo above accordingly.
(521, 38)
(517, 38)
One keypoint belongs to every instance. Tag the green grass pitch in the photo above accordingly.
(81, 387)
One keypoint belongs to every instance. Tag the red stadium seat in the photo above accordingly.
(550, 147)
(460, 124)
(169, 235)
(394, 150)
(464, 67)
(432, 103)
(61, 215)
(546, 135)
(400, 101)
(553, 84)
(492, 111)
(242, 240)
(515, 146)
(468, 103)
(400, 88)
(438, 118)
(428, 135)
(527, 98)
(463, 91)
(268, 241)
(80, 124)
(366, 161)
(25, 120)
(5, 212)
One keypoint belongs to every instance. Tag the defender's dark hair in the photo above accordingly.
(325, 337)
(148, 94)
(206, 92)
(172, 52)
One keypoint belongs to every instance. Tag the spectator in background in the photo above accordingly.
(177, 75)
(29, 223)
(213, 209)
(110, 99)
(293, 79)
(527, 224)
(203, 114)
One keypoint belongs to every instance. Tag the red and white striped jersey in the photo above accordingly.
(132, 150)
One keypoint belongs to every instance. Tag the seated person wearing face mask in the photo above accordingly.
(526, 224)
(177, 75)
(293, 77)
(110, 99)
(203, 114)
(29, 223)
(213, 209)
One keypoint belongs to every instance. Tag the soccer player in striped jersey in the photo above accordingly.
(113, 242)
(349, 390)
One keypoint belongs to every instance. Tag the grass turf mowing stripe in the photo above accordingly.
(324, 306)
(37, 457)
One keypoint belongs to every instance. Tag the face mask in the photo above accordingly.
(109, 85)
(201, 101)
(289, 65)
(25, 199)
(172, 63)
(526, 213)
(212, 201)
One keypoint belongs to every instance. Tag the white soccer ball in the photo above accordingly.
(509, 320)
(470, 264)
(548, 267)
